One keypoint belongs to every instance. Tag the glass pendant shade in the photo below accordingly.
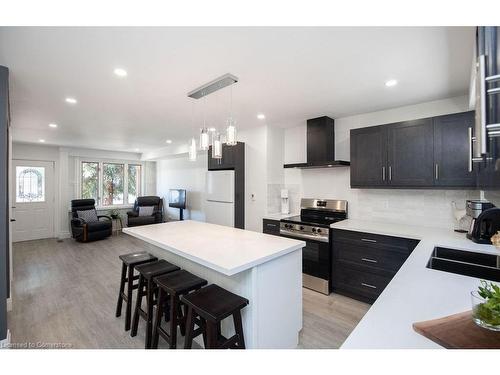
(192, 150)
(217, 147)
(204, 139)
(231, 133)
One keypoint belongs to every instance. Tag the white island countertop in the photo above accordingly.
(224, 249)
(416, 293)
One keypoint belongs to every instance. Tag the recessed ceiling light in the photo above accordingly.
(120, 72)
(391, 82)
(71, 100)
(41, 140)
(168, 141)
(52, 125)
(136, 150)
(261, 116)
(211, 129)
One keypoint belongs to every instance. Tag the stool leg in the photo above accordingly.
(157, 323)
(138, 304)
(211, 334)
(128, 310)
(122, 289)
(174, 309)
(238, 327)
(188, 342)
(182, 318)
(149, 312)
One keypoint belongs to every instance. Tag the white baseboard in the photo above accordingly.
(9, 304)
(63, 235)
(4, 344)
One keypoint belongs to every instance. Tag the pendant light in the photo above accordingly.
(204, 136)
(231, 128)
(192, 144)
(217, 146)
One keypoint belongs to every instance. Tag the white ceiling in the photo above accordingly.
(289, 74)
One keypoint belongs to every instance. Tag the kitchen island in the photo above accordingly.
(265, 269)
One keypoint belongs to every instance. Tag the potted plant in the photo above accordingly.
(115, 214)
(486, 306)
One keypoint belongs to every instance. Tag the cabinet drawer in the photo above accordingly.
(364, 284)
(373, 257)
(271, 226)
(387, 243)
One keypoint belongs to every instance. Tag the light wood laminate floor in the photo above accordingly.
(65, 292)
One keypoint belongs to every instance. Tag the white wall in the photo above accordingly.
(66, 171)
(180, 173)
(421, 207)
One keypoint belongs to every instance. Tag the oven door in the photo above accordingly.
(316, 265)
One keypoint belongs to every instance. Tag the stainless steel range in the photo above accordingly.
(313, 226)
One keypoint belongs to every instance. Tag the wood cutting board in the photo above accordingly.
(458, 331)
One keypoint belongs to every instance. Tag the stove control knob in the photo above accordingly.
(319, 230)
(301, 227)
(314, 230)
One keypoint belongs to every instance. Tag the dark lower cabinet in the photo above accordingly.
(427, 153)
(369, 151)
(271, 227)
(452, 156)
(363, 264)
(410, 153)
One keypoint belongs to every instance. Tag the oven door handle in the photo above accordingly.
(304, 236)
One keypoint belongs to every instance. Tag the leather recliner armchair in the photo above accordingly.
(83, 231)
(135, 220)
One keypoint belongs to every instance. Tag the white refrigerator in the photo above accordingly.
(219, 193)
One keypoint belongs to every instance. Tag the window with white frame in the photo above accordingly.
(110, 183)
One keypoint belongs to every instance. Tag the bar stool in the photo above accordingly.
(171, 287)
(213, 304)
(129, 261)
(148, 288)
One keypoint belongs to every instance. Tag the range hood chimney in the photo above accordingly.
(320, 145)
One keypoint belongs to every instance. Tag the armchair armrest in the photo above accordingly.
(104, 216)
(132, 213)
(77, 221)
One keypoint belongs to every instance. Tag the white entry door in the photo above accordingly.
(33, 203)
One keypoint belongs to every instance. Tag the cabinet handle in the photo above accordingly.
(437, 171)
(383, 173)
(369, 260)
(470, 149)
(368, 240)
(390, 173)
(271, 225)
(369, 285)
(481, 80)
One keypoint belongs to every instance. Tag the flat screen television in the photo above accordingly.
(177, 198)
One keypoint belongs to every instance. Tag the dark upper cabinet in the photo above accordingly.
(369, 156)
(430, 152)
(452, 154)
(229, 157)
(410, 153)
(320, 140)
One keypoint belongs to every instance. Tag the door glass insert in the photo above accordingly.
(30, 184)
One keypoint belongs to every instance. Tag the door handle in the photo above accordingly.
(369, 286)
(390, 173)
(11, 220)
(437, 171)
(383, 173)
(470, 149)
(368, 240)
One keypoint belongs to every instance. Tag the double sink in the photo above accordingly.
(467, 263)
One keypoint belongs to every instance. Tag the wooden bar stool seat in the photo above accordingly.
(129, 262)
(213, 304)
(171, 287)
(147, 287)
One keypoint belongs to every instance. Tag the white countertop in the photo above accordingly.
(224, 249)
(416, 293)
